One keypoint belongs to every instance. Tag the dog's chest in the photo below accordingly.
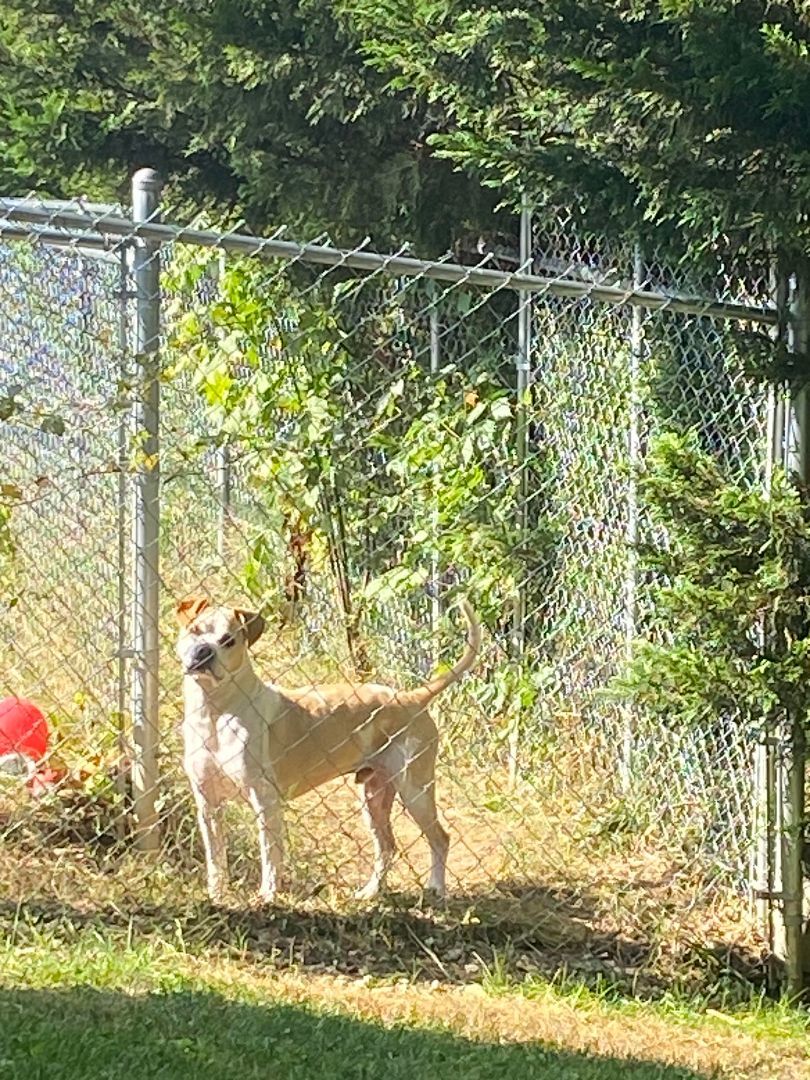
(217, 747)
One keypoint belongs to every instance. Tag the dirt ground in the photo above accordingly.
(533, 886)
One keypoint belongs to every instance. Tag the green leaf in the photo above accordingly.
(52, 425)
(477, 410)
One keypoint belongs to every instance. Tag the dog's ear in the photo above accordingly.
(253, 623)
(188, 610)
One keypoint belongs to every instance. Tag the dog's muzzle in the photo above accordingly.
(200, 658)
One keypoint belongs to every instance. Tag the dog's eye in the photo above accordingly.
(227, 642)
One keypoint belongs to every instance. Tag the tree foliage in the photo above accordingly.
(264, 109)
(730, 594)
(692, 113)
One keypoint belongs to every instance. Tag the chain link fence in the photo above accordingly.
(347, 442)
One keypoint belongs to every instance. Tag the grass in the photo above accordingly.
(527, 881)
(78, 1002)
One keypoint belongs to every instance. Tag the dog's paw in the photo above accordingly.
(370, 891)
(433, 896)
(266, 897)
(218, 895)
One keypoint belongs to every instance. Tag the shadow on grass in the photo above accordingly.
(83, 1034)
(515, 926)
(456, 943)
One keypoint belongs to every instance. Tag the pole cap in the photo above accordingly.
(147, 180)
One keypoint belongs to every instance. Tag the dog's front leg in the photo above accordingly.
(209, 817)
(266, 804)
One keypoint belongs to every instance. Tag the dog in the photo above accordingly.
(244, 738)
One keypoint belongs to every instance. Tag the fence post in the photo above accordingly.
(631, 528)
(223, 465)
(791, 762)
(435, 599)
(123, 652)
(224, 477)
(522, 379)
(766, 856)
(146, 187)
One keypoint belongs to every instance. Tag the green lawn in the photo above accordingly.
(80, 1033)
(79, 1003)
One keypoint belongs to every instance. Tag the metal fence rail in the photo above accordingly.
(345, 439)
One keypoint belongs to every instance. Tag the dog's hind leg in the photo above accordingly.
(377, 798)
(266, 804)
(416, 786)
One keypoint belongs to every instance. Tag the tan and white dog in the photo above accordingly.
(253, 740)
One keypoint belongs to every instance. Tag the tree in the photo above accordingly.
(266, 109)
(692, 113)
(736, 561)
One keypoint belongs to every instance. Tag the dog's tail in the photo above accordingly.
(425, 694)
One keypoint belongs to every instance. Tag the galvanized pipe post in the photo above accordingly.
(224, 489)
(631, 526)
(224, 475)
(522, 381)
(146, 186)
(123, 652)
(435, 599)
(792, 759)
(766, 855)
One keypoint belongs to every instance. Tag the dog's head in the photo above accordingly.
(213, 641)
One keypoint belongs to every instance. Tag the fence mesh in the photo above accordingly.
(340, 449)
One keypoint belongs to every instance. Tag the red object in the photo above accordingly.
(23, 728)
(44, 780)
